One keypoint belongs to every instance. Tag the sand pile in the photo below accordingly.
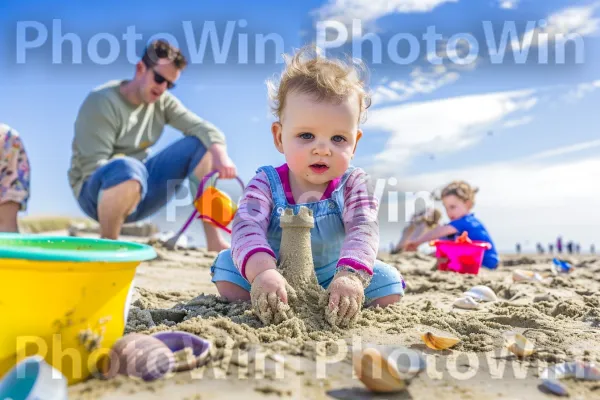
(562, 324)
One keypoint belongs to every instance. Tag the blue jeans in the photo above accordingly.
(160, 177)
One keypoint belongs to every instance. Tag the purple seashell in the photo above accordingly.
(139, 356)
(178, 341)
(555, 387)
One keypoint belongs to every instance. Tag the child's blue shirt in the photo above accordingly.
(476, 231)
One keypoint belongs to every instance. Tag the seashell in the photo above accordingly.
(439, 341)
(190, 350)
(139, 356)
(520, 275)
(482, 293)
(521, 346)
(579, 370)
(466, 303)
(377, 374)
(590, 372)
(554, 387)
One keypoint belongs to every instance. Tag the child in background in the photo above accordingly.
(459, 198)
(14, 178)
(319, 104)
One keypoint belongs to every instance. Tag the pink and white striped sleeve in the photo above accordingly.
(249, 229)
(360, 246)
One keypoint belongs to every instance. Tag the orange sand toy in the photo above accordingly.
(216, 207)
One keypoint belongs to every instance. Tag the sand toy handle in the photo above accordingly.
(198, 194)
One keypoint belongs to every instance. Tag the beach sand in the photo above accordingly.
(561, 317)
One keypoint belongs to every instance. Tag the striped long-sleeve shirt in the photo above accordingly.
(359, 249)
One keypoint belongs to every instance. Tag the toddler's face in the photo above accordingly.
(318, 139)
(455, 207)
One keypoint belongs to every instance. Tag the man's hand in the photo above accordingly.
(221, 162)
(346, 297)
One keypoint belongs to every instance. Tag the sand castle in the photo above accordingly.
(296, 262)
(305, 295)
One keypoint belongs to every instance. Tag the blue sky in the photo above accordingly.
(525, 133)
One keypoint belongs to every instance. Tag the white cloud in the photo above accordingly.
(565, 150)
(513, 123)
(371, 10)
(570, 22)
(583, 89)
(440, 126)
(421, 82)
(529, 200)
(508, 4)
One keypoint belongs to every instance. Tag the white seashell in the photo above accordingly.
(482, 293)
(467, 303)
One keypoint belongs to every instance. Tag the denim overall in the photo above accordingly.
(327, 237)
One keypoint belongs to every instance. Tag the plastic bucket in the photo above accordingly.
(64, 298)
(464, 258)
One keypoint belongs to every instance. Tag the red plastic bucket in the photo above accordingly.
(464, 258)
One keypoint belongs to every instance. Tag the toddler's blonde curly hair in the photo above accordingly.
(326, 79)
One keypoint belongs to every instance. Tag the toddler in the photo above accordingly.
(459, 198)
(319, 104)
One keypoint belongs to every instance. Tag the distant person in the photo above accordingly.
(570, 247)
(111, 175)
(540, 248)
(518, 248)
(578, 248)
(593, 249)
(459, 199)
(550, 248)
(14, 178)
(559, 245)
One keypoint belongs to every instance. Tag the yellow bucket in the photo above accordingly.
(65, 299)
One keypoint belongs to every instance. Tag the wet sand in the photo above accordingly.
(297, 360)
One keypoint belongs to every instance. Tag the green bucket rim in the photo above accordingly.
(39, 248)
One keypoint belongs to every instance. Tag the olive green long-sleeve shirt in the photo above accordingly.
(108, 125)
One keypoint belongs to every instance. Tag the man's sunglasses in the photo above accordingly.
(158, 78)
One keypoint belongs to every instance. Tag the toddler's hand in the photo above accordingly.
(269, 296)
(411, 246)
(346, 297)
